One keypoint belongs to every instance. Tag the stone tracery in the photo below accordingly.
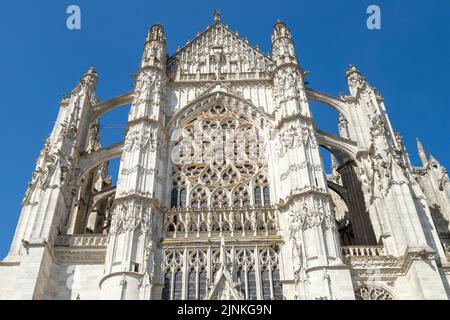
(222, 157)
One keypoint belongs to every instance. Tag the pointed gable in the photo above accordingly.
(224, 288)
(218, 54)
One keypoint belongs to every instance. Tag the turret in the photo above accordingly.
(155, 48)
(283, 51)
(289, 86)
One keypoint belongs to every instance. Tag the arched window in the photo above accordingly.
(197, 275)
(261, 190)
(173, 263)
(245, 260)
(270, 275)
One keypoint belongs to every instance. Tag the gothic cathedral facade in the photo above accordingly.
(222, 192)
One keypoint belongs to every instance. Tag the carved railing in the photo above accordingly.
(84, 240)
(363, 251)
(225, 76)
(249, 221)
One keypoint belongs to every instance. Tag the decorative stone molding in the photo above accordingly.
(129, 215)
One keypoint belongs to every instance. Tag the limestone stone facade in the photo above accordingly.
(222, 192)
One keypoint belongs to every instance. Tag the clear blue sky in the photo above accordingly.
(40, 60)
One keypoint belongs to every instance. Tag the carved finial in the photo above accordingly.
(237, 32)
(178, 48)
(355, 79)
(257, 47)
(89, 78)
(91, 70)
(246, 39)
(227, 26)
(216, 15)
(422, 152)
(352, 69)
(188, 41)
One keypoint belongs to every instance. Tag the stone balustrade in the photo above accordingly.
(84, 240)
(248, 221)
(363, 251)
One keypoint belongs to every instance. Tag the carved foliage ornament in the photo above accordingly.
(129, 216)
(139, 138)
(294, 137)
(288, 84)
(148, 88)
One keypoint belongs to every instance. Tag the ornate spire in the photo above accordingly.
(422, 152)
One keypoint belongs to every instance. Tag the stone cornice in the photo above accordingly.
(298, 116)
